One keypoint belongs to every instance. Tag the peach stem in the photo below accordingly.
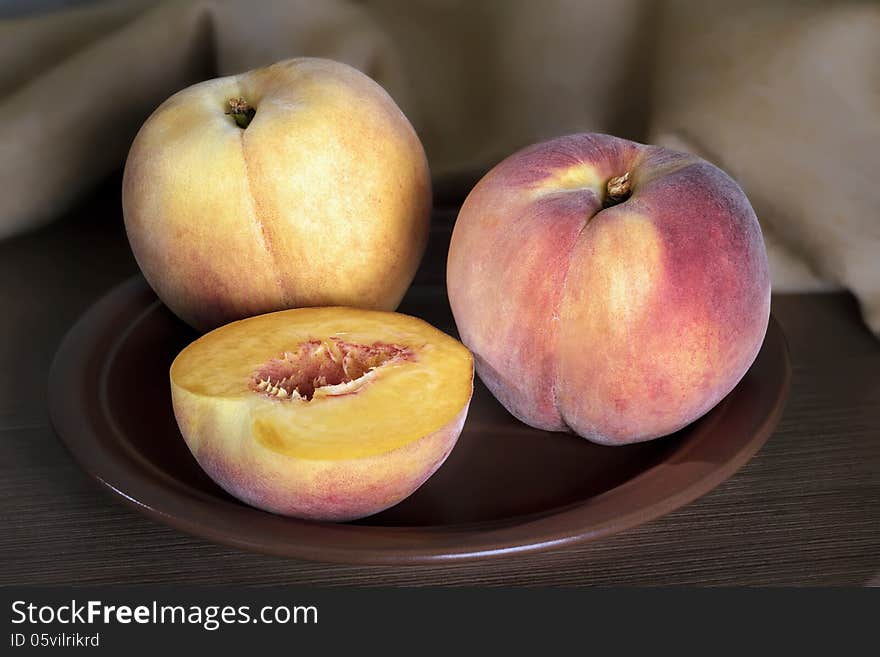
(241, 111)
(618, 189)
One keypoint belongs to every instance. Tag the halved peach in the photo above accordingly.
(322, 413)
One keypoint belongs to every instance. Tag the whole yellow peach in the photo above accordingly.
(299, 184)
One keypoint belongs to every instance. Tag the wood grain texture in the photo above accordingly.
(804, 511)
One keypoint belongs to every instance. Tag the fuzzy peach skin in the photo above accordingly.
(351, 450)
(620, 324)
(323, 199)
(315, 489)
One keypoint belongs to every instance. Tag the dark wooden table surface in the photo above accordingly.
(805, 510)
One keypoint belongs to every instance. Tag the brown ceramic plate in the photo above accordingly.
(506, 488)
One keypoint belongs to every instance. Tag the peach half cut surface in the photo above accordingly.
(322, 413)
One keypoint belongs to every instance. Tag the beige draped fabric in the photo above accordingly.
(783, 95)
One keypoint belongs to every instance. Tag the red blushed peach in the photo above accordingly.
(609, 288)
(322, 413)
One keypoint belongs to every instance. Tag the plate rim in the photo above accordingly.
(77, 361)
